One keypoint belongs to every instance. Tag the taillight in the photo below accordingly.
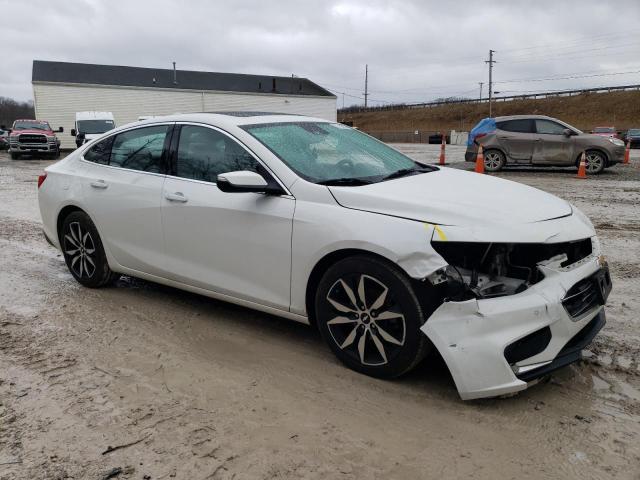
(41, 179)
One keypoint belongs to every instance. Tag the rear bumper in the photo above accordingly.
(533, 329)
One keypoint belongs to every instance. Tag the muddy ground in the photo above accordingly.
(142, 381)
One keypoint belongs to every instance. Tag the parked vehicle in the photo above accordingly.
(90, 125)
(633, 136)
(33, 137)
(317, 222)
(541, 141)
(609, 132)
(4, 139)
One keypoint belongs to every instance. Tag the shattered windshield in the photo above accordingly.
(334, 154)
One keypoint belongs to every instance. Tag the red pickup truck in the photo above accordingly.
(33, 137)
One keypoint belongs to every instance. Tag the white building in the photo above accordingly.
(61, 89)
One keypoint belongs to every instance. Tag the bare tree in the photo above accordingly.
(11, 109)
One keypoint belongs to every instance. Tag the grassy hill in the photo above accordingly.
(620, 109)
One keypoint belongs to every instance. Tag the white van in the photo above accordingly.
(90, 125)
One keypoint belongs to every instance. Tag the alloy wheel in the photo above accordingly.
(80, 248)
(492, 161)
(368, 325)
(594, 162)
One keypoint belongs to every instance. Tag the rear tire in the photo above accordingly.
(494, 160)
(83, 251)
(369, 314)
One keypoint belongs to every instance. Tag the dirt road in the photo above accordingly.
(143, 381)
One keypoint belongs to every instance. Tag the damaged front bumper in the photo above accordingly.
(495, 346)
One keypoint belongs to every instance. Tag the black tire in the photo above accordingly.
(15, 156)
(343, 327)
(494, 160)
(596, 162)
(83, 251)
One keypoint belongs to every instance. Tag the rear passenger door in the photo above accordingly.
(122, 188)
(516, 138)
(552, 146)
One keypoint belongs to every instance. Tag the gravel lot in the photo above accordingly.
(144, 381)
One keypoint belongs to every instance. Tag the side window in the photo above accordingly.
(521, 126)
(548, 127)
(140, 149)
(203, 153)
(100, 152)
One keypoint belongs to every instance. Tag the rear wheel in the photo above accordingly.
(494, 160)
(83, 251)
(368, 313)
(595, 162)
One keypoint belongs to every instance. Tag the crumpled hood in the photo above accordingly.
(454, 197)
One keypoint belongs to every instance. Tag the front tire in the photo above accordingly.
(595, 162)
(494, 160)
(369, 314)
(83, 251)
(15, 156)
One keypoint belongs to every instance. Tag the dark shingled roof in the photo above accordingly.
(65, 72)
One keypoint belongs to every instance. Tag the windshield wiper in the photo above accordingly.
(403, 172)
(346, 181)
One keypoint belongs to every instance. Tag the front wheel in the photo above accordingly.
(15, 156)
(368, 313)
(595, 162)
(83, 251)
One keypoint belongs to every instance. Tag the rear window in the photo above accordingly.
(520, 126)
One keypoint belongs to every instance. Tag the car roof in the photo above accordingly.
(523, 117)
(231, 118)
(91, 115)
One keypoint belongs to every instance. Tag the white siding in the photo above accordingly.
(58, 104)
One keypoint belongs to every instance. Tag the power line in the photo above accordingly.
(550, 79)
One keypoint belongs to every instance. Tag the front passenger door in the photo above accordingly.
(237, 244)
(552, 146)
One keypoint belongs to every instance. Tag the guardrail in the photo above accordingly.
(557, 93)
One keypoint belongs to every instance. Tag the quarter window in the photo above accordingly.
(140, 149)
(203, 153)
(550, 128)
(520, 126)
(100, 152)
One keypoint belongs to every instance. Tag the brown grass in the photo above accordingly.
(620, 109)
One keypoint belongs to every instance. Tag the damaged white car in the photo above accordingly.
(320, 223)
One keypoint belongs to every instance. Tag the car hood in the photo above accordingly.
(31, 131)
(454, 197)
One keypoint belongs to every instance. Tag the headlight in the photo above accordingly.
(616, 141)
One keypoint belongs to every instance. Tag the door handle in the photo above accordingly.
(176, 197)
(99, 184)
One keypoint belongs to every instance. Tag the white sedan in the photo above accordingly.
(320, 223)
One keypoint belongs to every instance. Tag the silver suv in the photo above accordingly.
(541, 141)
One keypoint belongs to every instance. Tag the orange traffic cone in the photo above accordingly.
(442, 147)
(480, 161)
(626, 153)
(582, 169)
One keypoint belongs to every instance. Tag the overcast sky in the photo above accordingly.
(416, 50)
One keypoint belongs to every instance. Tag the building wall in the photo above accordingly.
(58, 104)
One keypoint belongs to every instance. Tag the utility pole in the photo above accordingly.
(481, 84)
(366, 84)
(491, 61)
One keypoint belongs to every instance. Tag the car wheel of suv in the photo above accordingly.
(83, 251)
(494, 160)
(15, 156)
(369, 314)
(595, 162)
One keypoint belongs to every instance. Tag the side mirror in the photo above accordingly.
(567, 132)
(60, 130)
(245, 181)
(73, 132)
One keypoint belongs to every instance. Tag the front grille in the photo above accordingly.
(30, 138)
(587, 294)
